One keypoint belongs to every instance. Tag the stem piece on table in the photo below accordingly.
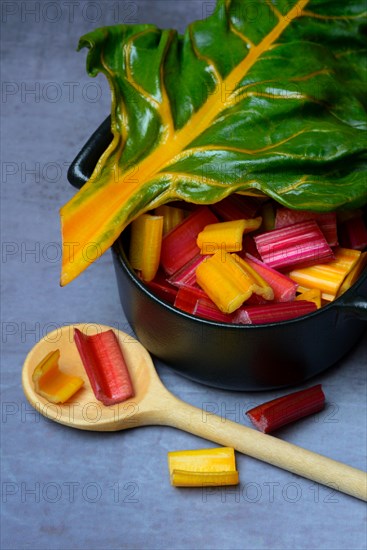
(199, 467)
(281, 411)
(182, 478)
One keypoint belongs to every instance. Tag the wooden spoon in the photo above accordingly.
(153, 404)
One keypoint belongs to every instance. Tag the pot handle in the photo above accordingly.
(83, 165)
(356, 306)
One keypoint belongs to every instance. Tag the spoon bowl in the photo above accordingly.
(83, 411)
(153, 404)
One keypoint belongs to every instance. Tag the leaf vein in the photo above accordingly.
(240, 35)
(275, 10)
(129, 73)
(203, 148)
(306, 13)
(210, 63)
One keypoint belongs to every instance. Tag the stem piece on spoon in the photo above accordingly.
(105, 366)
(53, 384)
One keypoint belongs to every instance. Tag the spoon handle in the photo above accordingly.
(267, 448)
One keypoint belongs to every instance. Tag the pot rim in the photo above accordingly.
(119, 252)
(79, 172)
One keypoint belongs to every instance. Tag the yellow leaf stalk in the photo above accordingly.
(225, 235)
(145, 245)
(53, 384)
(172, 216)
(199, 467)
(327, 277)
(229, 281)
(259, 285)
(268, 217)
(224, 281)
(181, 478)
(354, 274)
(312, 295)
(136, 242)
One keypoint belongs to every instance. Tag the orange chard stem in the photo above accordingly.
(53, 384)
(327, 277)
(354, 274)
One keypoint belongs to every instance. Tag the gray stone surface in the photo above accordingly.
(81, 490)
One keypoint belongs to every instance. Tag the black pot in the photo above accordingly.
(228, 356)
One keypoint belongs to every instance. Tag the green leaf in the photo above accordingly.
(262, 97)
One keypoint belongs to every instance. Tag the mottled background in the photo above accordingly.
(76, 490)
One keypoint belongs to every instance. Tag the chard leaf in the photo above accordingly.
(260, 98)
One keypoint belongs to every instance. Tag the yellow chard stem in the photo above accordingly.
(225, 235)
(145, 245)
(312, 295)
(268, 217)
(53, 384)
(327, 277)
(136, 253)
(354, 274)
(172, 216)
(182, 478)
(199, 467)
(224, 281)
(259, 285)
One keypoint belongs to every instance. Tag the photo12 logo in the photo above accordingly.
(52, 332)
(271, 491)
(70, 11)
(71, 492)
(50, 92)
